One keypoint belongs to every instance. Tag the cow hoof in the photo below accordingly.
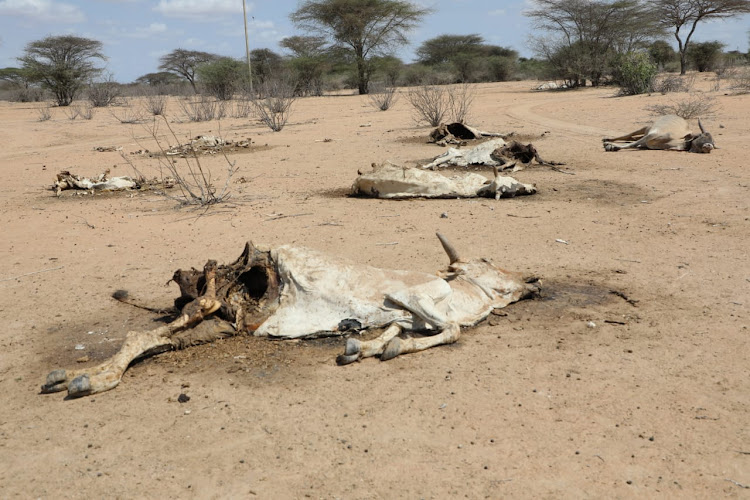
(611, 147)
(55, 381)
(344, 359)
(392, 350)
(79, 386)
(353, 346)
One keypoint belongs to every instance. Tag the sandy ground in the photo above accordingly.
(654, 400)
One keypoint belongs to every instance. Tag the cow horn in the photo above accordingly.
(700, 125)
(449, 249)
(496, 172)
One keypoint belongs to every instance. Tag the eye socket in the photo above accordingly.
(255, 281)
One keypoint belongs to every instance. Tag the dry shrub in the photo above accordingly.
(85, 111)
(436, 103)
(194, 181)
(740, 80)
(665, 84)
(275, 102)
(203, 109)
(128, 115)
(103, 94)
(382, 96)
(694, 106)
(242, 108)
(44, 113)
(154, 100)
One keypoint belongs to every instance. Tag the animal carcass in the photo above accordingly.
(395, 182)
(294, 292)
(493, 153)
(66, 180)
(668, 132)
(458, 133)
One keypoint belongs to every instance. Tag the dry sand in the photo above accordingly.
(579, 394)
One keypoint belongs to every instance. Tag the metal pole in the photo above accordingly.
(247, 48)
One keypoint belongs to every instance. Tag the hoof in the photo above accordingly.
(55, 381)
(79, 386)
(353, 346)
(392, 350)
(344, 359)
(611, 147)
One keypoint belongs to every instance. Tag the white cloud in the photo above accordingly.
(497, 12)
(200, 10)
(42, 10)
(150, 30)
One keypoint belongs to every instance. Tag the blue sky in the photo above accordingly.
(135, 33)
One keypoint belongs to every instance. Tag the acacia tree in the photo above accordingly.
(308, 62)
(583, 36)
(678, 14)
(364, 27)
(63, 64)
(184, 63)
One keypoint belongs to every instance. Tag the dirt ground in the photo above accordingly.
(581, 393)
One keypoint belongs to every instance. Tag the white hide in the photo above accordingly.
(65, 180)
(478, 155)
(393, 182)
(318, 292)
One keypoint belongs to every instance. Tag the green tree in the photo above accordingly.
(308, 62)
(678, 14)
(446, 48)
(265, 63)
(158, 79)
(365, 27)
(661, 53)
(62, 64)
(634, 73)
(583, 36)
(184, 63)
(221, 77)
(705, 55)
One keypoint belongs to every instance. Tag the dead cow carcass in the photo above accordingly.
(493, 153)
(458, 133)
(395, 182)
(668, 132)
(294, 292)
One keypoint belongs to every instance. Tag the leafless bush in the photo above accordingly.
(665, 84)
(436, 103)
(103, 94)
(154, 100)
(71, 112)
(194, 181)
(44, 113)
(694, 106)
(275, 104)
(461, 98)
(243, 107)
(202, 109)
(382, 96)
(128, 115)
(85, 111)
(740, 81)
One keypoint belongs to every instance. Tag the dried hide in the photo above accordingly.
(66, 180)
(457, 133)
(293, 292)
(395, 182)
(207, 145)
(493, 153)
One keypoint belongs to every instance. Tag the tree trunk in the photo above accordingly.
(362, 73)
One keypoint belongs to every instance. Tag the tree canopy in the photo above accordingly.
(587, 34)
(678, 14)
(63, 64)
(185, 62)
(365, 27)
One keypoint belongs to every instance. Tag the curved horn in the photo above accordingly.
(449, 249)
(700, 125)
(496, 172)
